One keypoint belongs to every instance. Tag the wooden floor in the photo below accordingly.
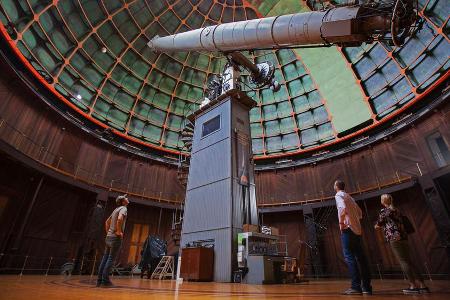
(82, 287)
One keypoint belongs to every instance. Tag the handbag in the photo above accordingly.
(407, 225)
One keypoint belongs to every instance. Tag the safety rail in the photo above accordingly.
(52, 265)
(22, 265)
(309, 199)
(378, 271)
(40, 153)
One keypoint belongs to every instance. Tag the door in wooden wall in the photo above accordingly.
(138, 236)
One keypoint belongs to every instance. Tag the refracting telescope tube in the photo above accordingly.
(340, 25)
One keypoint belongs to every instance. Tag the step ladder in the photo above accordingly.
(164, 268)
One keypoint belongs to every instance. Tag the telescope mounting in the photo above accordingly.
(261, 75)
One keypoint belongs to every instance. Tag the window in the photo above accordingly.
(138, 237)
(211, 126)
(439, 149)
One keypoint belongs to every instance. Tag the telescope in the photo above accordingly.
(344, 26)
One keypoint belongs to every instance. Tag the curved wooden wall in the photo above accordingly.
(34, 129)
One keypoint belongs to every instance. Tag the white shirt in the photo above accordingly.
(349, 212)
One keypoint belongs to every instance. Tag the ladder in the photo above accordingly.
(164, 268)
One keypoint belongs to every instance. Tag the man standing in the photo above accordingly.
(114, 227)
(349, 215)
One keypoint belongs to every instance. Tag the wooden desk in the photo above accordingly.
(197, 264)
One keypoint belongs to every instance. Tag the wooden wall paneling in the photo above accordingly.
(166, 231)
(268, 190)
(57, 222)
(133, 179)
(278, 184)
(328, 173)
(419, 137)
(260, 180)
(406, 155)
(54, 206)
(145, 175)
(91, 163)
(306, 181)
(27, 145)
(309, 183)
(6, 93)
(350, 178)
(150, 171)
(16, 185)
(296, 183)
(271, 188)
(69, 150)
(382, 165)
(331, 248)
(116, 169)
(291, 225)
(283, 185)
(293, 185)
(426, 244)
(361, 169)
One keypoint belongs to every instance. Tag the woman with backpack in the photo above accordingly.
(396, 228)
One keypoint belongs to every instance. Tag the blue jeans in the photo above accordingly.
(354, 256)
(112, 246)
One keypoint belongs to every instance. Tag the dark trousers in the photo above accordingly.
(356, 260)
(401, 252)
(112, 246)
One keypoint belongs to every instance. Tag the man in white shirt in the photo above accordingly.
(349, 215)
(114, 226)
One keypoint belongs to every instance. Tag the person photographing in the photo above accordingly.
(396, 228)
(114, 227)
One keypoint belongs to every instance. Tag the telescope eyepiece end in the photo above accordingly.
(151, 44)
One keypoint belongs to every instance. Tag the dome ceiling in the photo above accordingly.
(93, 56)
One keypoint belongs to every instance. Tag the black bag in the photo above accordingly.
(407, 225)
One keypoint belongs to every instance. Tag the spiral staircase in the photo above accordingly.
(184, 158)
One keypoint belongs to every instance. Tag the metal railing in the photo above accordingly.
(376, 182)
(54, 265)
(23, 265)
(378, 271)
(42, 154)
